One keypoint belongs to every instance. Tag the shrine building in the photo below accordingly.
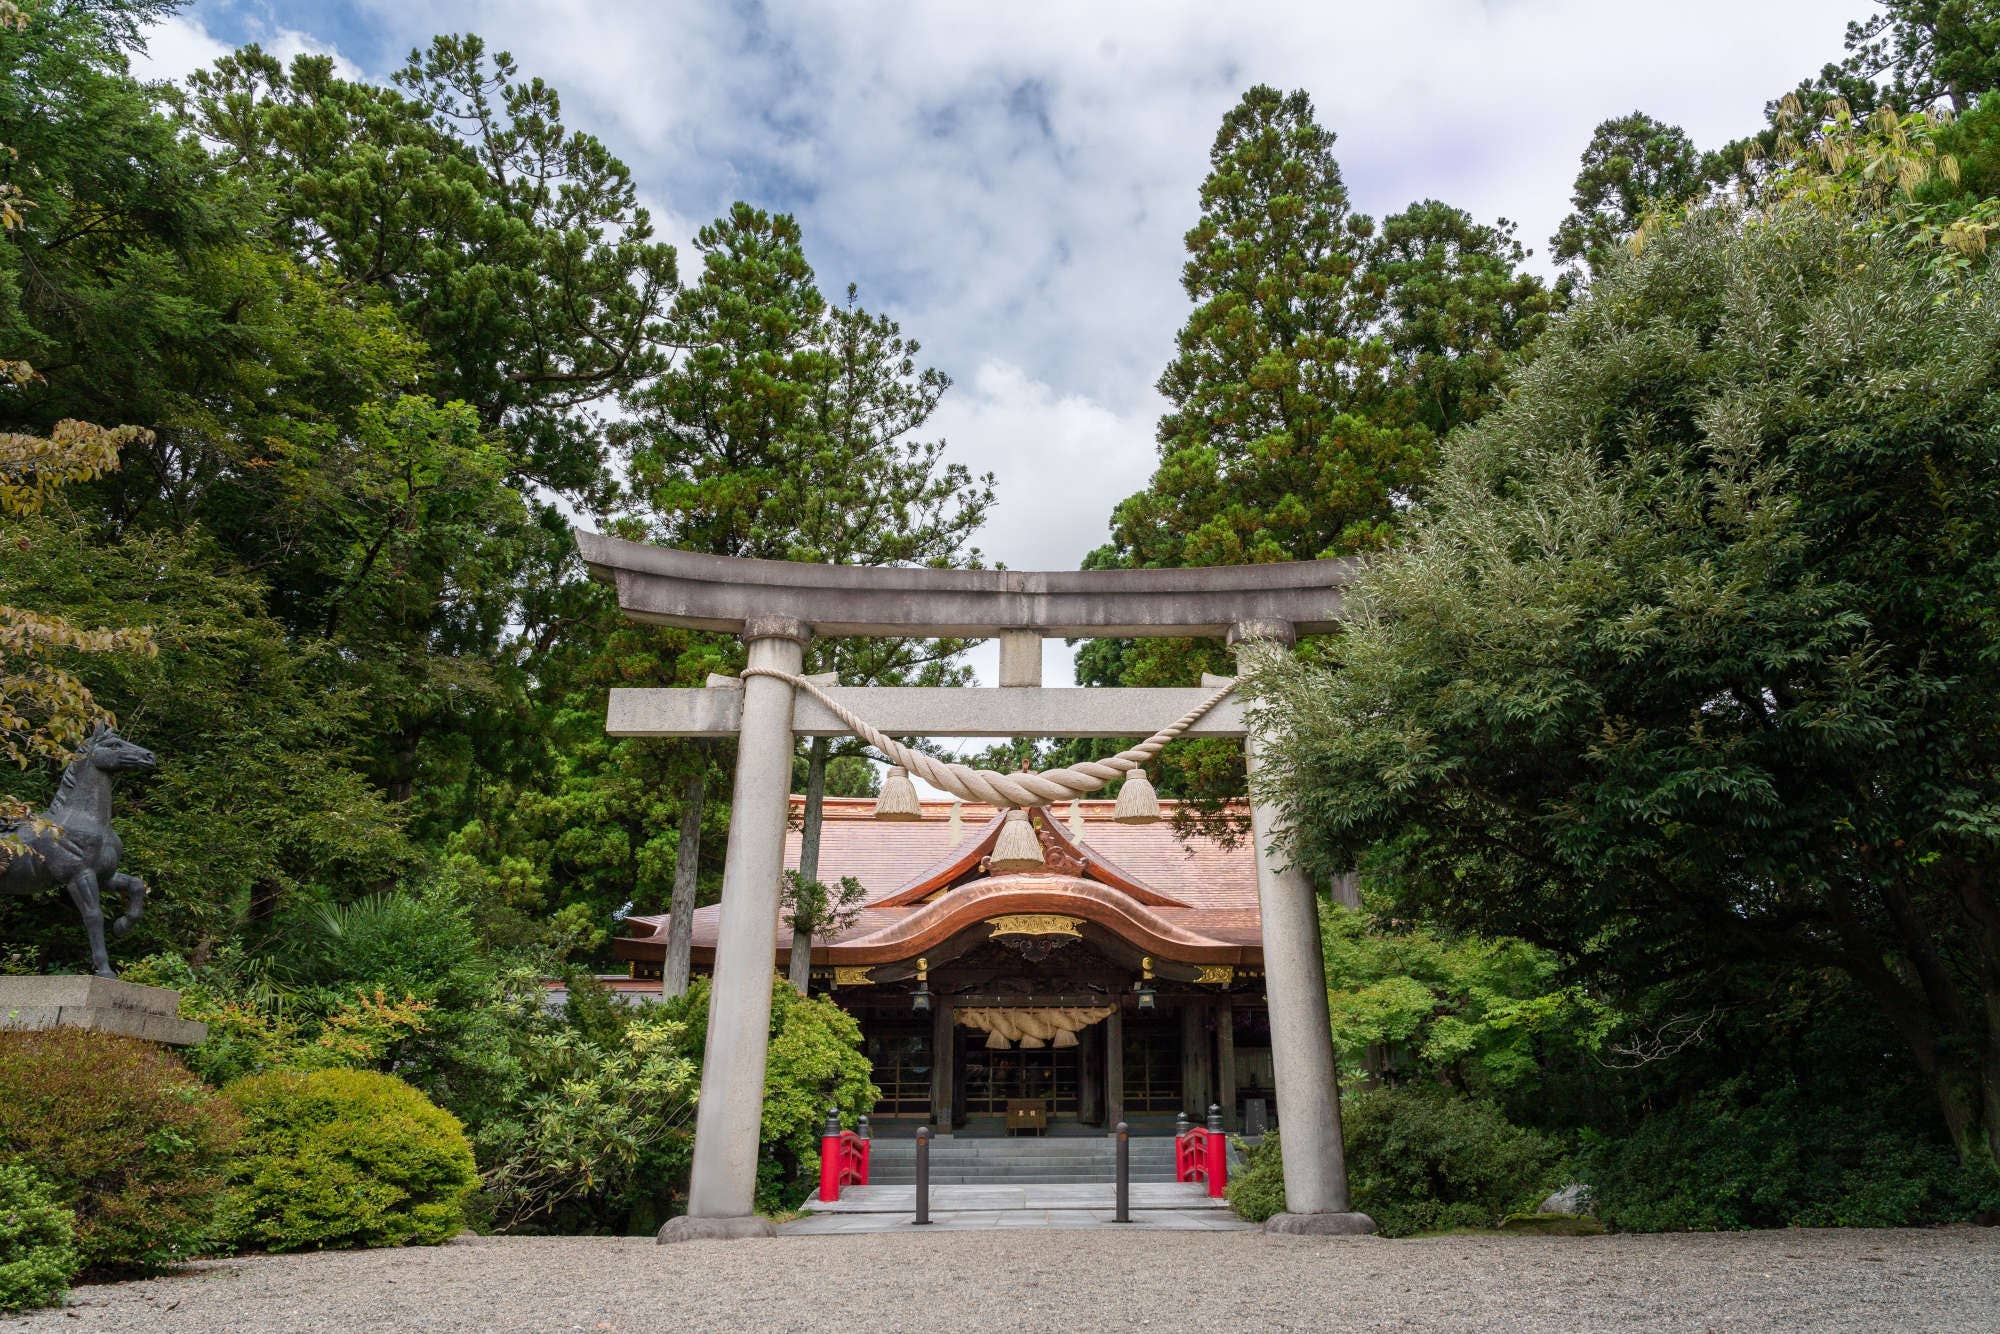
(1113, 972)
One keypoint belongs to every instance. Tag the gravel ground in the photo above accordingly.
(1946, 1279)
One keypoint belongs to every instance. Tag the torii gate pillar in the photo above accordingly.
(1302, 1060)
(730, 1112)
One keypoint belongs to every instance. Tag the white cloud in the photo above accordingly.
(180, 44)
(1011, 182)
(1055, 458)
(287, 43)
(176, 47)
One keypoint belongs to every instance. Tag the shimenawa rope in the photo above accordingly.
(1000, 789)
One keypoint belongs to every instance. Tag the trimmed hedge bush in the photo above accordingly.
(1420, 1158)
(341, 1158)
(37, 1241)
(127, 1140)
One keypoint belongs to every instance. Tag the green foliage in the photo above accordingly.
(341, 1158)
(1256, 1190)
(1456, 309)
(513, 246)
(1691, 655)
(1421, 1158)
(129, 1142)
(1271, 449)
(1736, 1157)
(600, 1137)
(1486, 1014)
(1912, 54)
(257, 1024)
(37, 1252)
(816, 1061)
(1633, 165)
(264, 798)
(1308, 386)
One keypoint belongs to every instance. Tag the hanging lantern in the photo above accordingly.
(1144, 986)
(1137, 802)
(920, 999)
(1076, 821)
(1017, 848)
(898, 800)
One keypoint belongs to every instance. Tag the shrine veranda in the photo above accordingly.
(1067, 961)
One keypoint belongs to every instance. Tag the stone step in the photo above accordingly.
(878, 1167)
(1062, 1179)
(1006, 1149)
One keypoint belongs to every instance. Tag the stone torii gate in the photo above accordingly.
(777, 606)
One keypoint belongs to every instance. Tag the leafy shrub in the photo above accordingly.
(37, 1235)
(341, 1158)
(816, 1061)
(254, 1026)
(130, 1142)
(1257, 1188)
(1421, 1158)
(1732, 1158)
(600, 1138)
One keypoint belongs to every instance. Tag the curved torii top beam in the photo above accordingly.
(685, 588)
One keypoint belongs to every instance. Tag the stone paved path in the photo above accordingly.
(933, 1281)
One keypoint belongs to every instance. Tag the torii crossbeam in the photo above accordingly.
(777, 606)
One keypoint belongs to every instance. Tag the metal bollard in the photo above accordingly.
(1124, 1133)
(923, 1176)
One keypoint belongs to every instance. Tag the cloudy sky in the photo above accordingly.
(1011, 181)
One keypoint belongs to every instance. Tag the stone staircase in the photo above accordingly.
(1023, 1161)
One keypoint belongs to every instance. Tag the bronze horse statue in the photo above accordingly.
(72, 844)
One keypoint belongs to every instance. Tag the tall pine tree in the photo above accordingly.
(790, 429)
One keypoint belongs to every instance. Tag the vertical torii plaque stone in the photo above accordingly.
(776, 606)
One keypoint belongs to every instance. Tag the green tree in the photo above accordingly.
(1687, 661)
(790, 429)
(1631, 165)
(260, 797)
(512, 245)
(1920, 52)
(1270, 449)
(1484, 1016)
(1309, 385)
(1457, 308)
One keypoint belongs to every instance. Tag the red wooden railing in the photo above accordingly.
(843, 1158)
(1201, 1153)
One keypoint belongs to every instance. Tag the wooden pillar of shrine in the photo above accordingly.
(1195, 1091)
(944, 1060)
(1114, 1067)
(1225, 1060)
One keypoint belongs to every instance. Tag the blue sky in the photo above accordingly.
(1012, 181)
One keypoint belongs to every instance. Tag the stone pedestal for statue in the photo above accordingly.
(102, 1004)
